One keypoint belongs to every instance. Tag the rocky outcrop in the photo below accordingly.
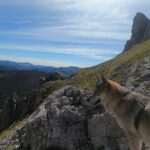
(140, 31)
(104, 133)
(138, 78)
(66, 121)
(9, 112)
(16, 107)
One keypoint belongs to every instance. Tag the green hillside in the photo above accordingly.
(115, 69)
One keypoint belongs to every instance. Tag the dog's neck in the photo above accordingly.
(117, 88)
(110, 102)
(114, 96)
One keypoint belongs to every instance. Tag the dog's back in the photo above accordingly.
(137, 107)
(144, 125)
(131, 109)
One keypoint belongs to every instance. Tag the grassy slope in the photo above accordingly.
(115, 69)
(12, 129)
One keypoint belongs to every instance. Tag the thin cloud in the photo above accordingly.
(80, 52)
(83, 22)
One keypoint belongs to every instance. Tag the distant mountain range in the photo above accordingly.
(24, 77)
(10, 65)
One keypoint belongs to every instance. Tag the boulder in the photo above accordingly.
(65, 121)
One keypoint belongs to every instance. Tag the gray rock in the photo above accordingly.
(64, 121)
(140, 31)
(138, 78)
(105, 133)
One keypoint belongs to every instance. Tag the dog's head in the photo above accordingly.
(101, 89)
(101, 84)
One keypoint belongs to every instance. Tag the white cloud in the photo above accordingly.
(72, 21)
(69, 34)
(82, 52)
(109, 19)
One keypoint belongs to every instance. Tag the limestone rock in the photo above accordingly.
(138, 78)
(140, 31)
(63, 121)
(105, 133)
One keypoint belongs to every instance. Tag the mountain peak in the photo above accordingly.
(140, 21)
(140, 14)
(140, 31)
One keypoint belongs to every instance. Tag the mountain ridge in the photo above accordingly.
(12, 65)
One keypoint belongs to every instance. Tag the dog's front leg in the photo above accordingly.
(135, 143)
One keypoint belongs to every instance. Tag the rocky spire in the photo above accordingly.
(140, 31)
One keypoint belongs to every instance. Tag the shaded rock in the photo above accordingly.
(26, 105)
(140, 31)
(105, 133)
(42, 81)
(9, 112)
(16, 108)
(54, 76)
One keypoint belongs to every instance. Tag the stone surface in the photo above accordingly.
(65, 121)
(138, 78)
(105, 133)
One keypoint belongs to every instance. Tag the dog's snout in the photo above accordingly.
(97, 102)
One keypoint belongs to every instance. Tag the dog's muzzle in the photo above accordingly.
(98, 101)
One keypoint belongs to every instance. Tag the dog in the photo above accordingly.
(131, 110)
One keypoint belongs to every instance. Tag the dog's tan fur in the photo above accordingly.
(126, 105)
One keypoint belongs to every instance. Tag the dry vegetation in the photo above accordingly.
(116, 68)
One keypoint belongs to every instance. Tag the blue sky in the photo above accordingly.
(66, 32)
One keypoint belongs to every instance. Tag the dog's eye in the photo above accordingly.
(98, 85)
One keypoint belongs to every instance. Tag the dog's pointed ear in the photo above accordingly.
(98, 78)
(104, 80)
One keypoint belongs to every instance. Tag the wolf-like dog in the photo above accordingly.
(131, 110)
